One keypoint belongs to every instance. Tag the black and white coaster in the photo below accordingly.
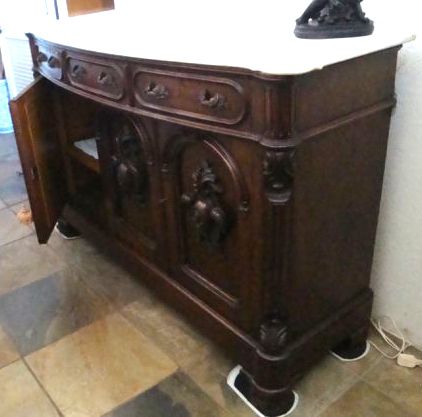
(231, 379)
(357, 358)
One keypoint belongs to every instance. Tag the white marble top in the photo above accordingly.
(253, 35)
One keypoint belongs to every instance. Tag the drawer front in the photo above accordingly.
(96, 76)
(213, 99)
(49, 62)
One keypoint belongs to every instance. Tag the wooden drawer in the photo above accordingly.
(96, 76)
(49, 62)
(213, 99)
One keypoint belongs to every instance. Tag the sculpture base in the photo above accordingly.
(314, 30)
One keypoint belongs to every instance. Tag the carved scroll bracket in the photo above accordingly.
(278, 175)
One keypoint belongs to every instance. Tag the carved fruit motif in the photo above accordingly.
(210, 220)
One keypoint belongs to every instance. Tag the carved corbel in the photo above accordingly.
(278, 175)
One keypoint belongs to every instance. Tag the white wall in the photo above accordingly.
(397, 269)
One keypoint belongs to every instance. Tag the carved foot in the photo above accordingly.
(277, 403)
(350, 352)
(66, 230)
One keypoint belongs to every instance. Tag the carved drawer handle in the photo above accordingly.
(41, 57)
(78, 72)
(53, 62)
(105, 79)
(212, 100)
(157, 91)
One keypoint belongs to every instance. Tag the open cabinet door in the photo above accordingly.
(38, 143)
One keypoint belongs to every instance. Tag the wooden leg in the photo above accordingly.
(271, 403)
(354, 346)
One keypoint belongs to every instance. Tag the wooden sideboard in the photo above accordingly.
(248, 201)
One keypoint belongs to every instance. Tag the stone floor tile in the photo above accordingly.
(170, 331)
(75, 251)
(46, 310)
(364, 401)
(402, 385)
(10, 227)
(21, 396)
(25, 261)
(17, 207)
(325, 382)
(8, 352)
(210, 374)
(12, 183)
(101, 273)
(100, 367)
(365, 364)
(176, 396)
(7, 145)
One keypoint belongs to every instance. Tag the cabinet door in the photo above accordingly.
(131, 183)
(211, 229)
(40, 154)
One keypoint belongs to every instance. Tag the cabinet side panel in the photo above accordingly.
(337, 194)
(341, 89)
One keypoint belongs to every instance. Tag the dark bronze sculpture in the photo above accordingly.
(333, 19)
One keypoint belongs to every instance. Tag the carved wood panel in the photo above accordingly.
(131, 181)
(209, 210)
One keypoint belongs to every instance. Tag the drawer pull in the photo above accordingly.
(105, 79)
(53, 62)
(212, 101)
(78, 72)
(41, 57)
(157, 91)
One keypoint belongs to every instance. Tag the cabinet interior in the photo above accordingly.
(80, 136)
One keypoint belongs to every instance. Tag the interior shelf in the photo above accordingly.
(86, 152)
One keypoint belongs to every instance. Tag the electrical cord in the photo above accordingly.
(397, 350)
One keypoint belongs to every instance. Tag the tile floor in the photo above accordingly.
(80, 337)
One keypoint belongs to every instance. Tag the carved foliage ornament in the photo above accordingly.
(273, 335)
(278, 174)
(130, 166)
(333, 19)
(210, 219)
